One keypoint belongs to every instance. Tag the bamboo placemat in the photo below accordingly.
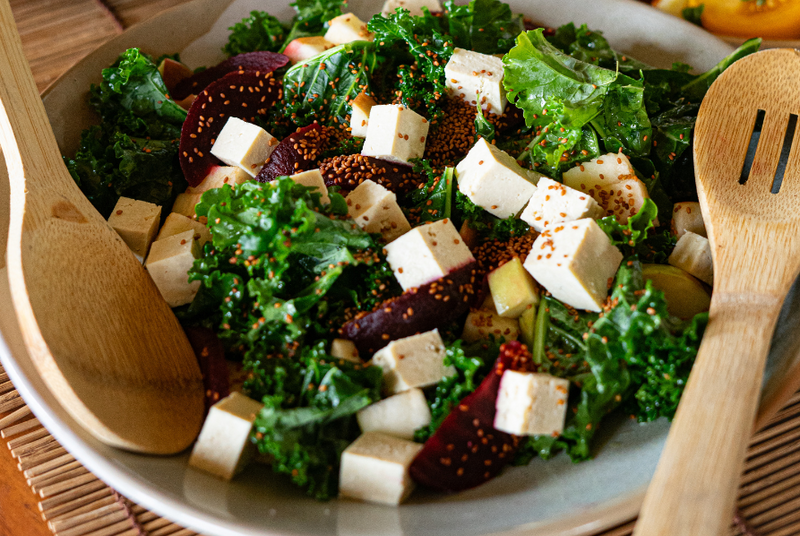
(73, 502)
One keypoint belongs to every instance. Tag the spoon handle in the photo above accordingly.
(695, 485)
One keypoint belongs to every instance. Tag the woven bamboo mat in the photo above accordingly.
(73, 502)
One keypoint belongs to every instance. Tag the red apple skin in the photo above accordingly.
(303, 48)
(173, 72)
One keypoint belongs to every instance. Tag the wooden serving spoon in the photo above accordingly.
(753, 223)
(101, 336)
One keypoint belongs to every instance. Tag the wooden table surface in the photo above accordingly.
(56, 34)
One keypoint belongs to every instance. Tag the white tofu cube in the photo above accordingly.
(395, 133)
(218, 177)
(687, 217)
(313, 179)
(427, 253)
(398, 416)
(375, 209)
(493, 180)
(186, 203)
(244, 145)
(344, 349)
(136, 222)
(374, 468)
(576, 262)
(303, 48)
(612, 182)
(692, 254)
(483, 323)
(554, 203)
(168, 264)
(359, 116)
(223, 447)
(477, 77)
(346, 29)
(416, 361)
(414, 7)
(178, 223)
(530, 403)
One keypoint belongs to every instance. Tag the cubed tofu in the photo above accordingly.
(427, 253)
(576, 263)
(169, 262)
(395, 133)
(186, 204)
(223, 447)
(346, 29)
(477, 77)
(513, 289)
(344, 349)
(359, 116)
(692, 254)
(313, 179)
(493, 180)
(399, 415)
(483, 324)
(553, 203)
(530, 403)
(375, 209)
(303, 48)
(178, 223)
(687, 217)
(414, 7)
(612, 182)
(416, 361)
(218, 177)
(136, 222)
(244, 145)
(374, 468)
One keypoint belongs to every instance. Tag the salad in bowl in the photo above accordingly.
(413, 250)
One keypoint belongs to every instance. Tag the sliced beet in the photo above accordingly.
(211, 358)
(264, 62)
(350, 170)
(299, 151)
(415, 311)
(466, 450)
(243, 94)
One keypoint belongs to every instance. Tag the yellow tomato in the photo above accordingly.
(774, 19)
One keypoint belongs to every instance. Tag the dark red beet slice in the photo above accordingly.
(297, 152)
(466, 450)
(242, 94)
(417, 310)
(264, 62)
(349, 171)
(211, 358)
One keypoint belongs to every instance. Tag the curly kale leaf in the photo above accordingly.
(321, 88)
(309, 418)
(311, 16)
(134, 152)
(635, 354)
(281, 272)
(472, 363)
(259, 31)
(488, 226)
(434, 200)
(485, 26)
(421, 48)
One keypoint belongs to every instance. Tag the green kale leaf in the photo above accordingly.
(487, 226)
(259, 31)
(695, 14)
(309, 419)
(311, 16)
(434, 200)
(321, 88)
(485, 26)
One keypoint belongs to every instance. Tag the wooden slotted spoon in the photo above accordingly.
(755, 239)
(100, 334)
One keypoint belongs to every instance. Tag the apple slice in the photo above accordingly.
(686, 296)
(172, 72)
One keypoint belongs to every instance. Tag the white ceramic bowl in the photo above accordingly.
(546, 498)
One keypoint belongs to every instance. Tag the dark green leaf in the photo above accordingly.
(259, 31)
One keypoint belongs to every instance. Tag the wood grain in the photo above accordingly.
(753, 235)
